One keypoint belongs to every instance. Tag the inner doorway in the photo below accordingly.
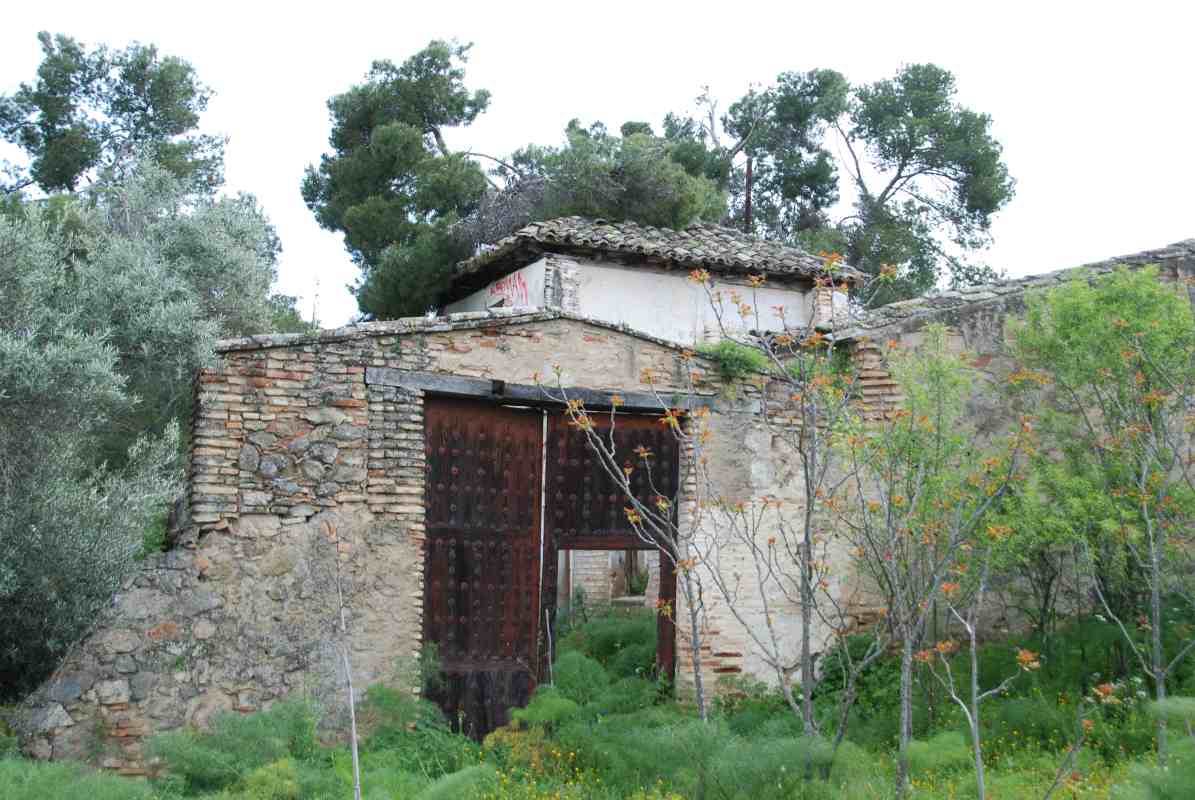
(585, 509)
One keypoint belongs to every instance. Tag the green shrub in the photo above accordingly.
(1178, 711)
(410, 734)
(747, 705)
(1022, 721)
(385, 708)
(407, 734)
(637, 582)
(734, 360)
(155, 538)
(631, 751)
(389, 783)
(579, 678)
(548, 709)
(29, 780)
(941, 755)
(276, 781)
(1175, 782)
(853, 765)
(635, 660)
(626, 695)
(877, 687)
(470, 783)
(1120, 734)
(624, 642)
(769, 767)
(237, 745)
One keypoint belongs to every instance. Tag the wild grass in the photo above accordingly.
(608, 730)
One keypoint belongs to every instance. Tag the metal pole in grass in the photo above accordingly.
(551, 655)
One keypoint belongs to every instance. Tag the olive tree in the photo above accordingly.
(109, 303)
(69, 527)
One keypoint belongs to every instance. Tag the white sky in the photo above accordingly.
(1094, 102)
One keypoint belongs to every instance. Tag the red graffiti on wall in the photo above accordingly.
(512, 290)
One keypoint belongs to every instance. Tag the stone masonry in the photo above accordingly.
(975, 317)
(299, 464)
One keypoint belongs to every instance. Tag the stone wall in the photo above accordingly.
(975, 318)
(302, 465)
(591, 572)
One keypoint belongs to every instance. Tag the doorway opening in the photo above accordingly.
(513, 497)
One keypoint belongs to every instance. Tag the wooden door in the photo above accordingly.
(482, 563)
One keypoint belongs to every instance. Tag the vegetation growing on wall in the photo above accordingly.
(735, 361)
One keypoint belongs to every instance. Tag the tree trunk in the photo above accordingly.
(807, 677)
(695, 641)
(748, 189)
(906, 714)
(976, 747)
(348, 673)
(1157, 651)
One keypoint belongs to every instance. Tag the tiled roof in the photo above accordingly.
(712, 247)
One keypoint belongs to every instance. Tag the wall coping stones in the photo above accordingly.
(465, 320)
(918, 311)
(864, 323)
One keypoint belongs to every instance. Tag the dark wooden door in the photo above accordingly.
(482, 564)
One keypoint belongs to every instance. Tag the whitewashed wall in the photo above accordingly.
(669, 305)
(523, 288)
(663, 303)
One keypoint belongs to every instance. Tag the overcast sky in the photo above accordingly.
(1093, 102)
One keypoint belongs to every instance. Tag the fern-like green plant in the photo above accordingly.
(735, 361)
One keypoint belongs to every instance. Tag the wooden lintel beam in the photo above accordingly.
(530, 394)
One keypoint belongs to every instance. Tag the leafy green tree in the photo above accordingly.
(926, 174)
(162, 272)
(788, 178)
(390, 182)
(410, 208)
(69, 526)
(627, 177)
(286, 318)
(921, 492)
(935, 171)
(1111, 365)
(1050, 515)
(93, 110)
(411, 278)
(110, 300)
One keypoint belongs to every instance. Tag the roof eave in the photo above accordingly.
(520, 250)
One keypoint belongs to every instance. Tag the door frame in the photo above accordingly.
(496, 393)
